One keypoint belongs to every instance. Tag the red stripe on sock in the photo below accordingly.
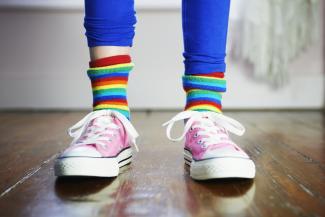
(110, 79)
(107, 61)
(111, 102)
(203, 102)
(96, 84)
(212, 74)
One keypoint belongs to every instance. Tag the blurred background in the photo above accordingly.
(275, 55)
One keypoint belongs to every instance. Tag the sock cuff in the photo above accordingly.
(204, 83)
(216, 74)
(112, 60)
(204, 94)
(212, 74)
(109, 84)
(118, 70)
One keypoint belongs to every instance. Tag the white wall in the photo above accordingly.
(78, 4)
(43, 60)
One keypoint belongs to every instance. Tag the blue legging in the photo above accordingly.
(205, 25)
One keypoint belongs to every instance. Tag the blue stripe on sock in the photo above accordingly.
(96, 98)
(204, 87)
(189, 100)
(110, 75)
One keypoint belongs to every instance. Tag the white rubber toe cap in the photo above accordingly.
(81, 152)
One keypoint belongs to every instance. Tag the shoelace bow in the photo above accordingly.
(76, 131)
(211, 120)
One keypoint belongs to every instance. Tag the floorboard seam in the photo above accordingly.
(30, 174)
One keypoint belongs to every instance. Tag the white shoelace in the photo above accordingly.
(76, 131)
(210, 121)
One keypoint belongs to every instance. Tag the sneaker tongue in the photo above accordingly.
(105, 119)
(205, 118)
(213, 123)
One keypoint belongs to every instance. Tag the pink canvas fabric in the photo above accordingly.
(105, 141)
(222, 147)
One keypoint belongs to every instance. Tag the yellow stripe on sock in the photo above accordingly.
(111, 106)
(207, 107)
(113, 66)
(110, 86)
(208, 77)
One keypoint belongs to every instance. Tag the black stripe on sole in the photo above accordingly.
(97, 157)
(125, 159)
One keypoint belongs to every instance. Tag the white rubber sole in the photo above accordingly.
(215, 168)
(92, 166)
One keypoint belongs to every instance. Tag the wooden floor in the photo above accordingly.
(288, 148)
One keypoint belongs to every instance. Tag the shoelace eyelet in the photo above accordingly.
(203, 145)
(195, 135)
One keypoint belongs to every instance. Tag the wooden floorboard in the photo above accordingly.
(29, 139)
(287, 147)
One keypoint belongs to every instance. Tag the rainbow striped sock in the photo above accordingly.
(109, 85)
(204, 91)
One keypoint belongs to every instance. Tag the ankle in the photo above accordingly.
(109, 78)
(204, 91)
(107, 51)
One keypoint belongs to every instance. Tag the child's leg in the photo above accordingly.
(110, 30)
(102, 140)
(209, 151)
(205, 25)
(109, 22)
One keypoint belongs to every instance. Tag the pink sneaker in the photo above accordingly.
(208, 150)
(101, 145)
